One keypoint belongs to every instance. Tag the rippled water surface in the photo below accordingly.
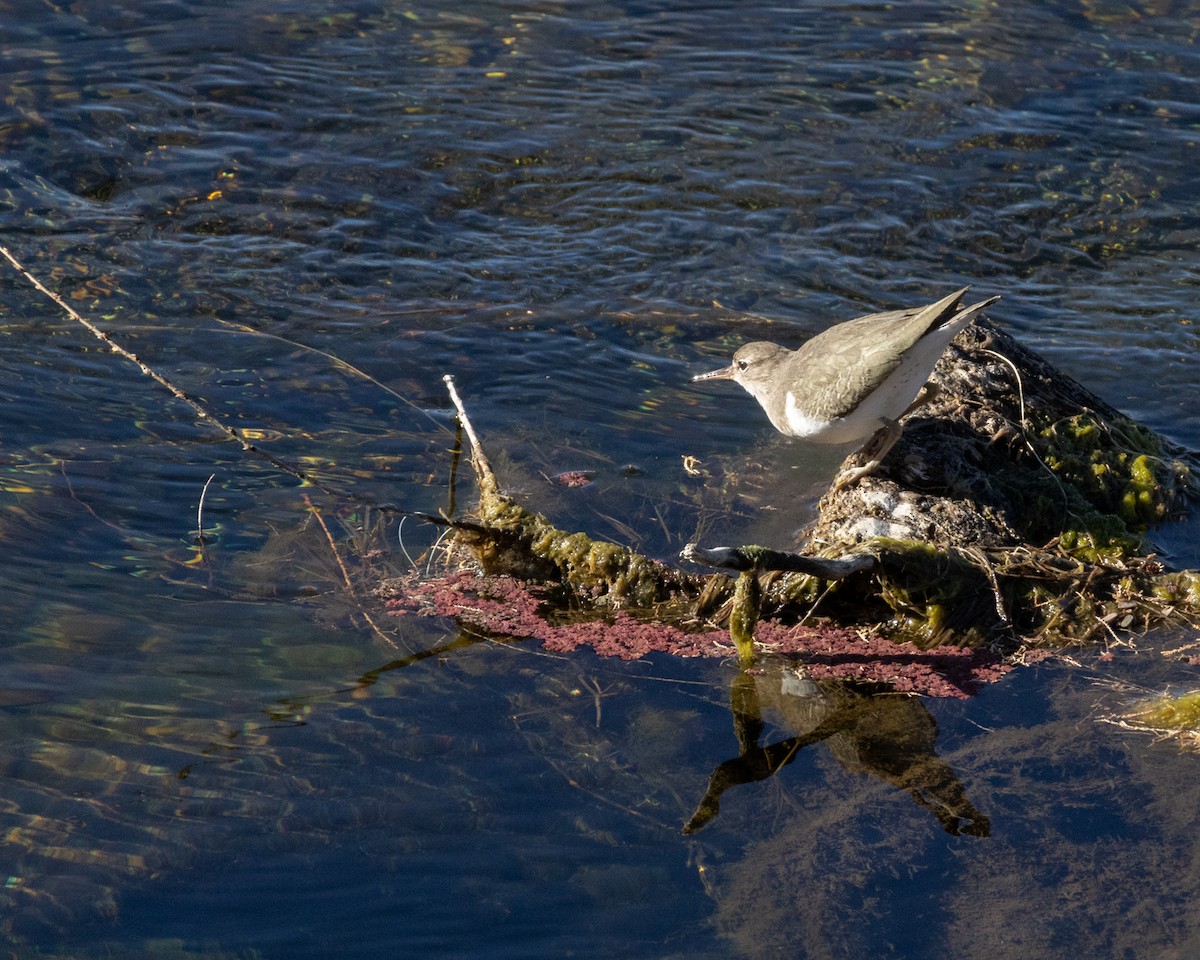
(572, 208)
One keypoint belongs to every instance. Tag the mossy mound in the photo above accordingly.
(1029, 492)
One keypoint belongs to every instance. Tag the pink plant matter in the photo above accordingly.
(573, 478)
(508, 607)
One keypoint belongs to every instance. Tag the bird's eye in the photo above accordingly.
(743, 364)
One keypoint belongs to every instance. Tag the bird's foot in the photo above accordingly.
(851, 476)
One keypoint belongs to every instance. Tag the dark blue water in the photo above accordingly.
(572, 208)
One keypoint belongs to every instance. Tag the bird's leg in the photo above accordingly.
(883, 440)
(876, 448)
(928, 393)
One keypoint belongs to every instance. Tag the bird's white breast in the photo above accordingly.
(838, 430)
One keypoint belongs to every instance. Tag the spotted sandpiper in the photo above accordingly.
(854, 381)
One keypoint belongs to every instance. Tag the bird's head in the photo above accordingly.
(755, 367)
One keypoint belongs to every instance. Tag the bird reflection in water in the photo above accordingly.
(884, 735)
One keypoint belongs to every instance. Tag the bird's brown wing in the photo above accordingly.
(848, 361)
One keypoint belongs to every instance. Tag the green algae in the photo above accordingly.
(933, 593)
(1177, 713)
(1118, 469)
(747, 603)
(1179, 587)
(1100, 538)
(1166, 716)
(1104, 484)
(800, 590)
(511, 539)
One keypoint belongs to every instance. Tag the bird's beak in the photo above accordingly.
(725, 373)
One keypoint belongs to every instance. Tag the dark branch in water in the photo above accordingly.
(764, 560)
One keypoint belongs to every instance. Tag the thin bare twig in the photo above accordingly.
(158, 378)
(346, 575)
(200, 511)
(400, 539)
(1025, 426)
(200, 410)
(488, 485)
(980, 559)
(241, 328)
(62, 468)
